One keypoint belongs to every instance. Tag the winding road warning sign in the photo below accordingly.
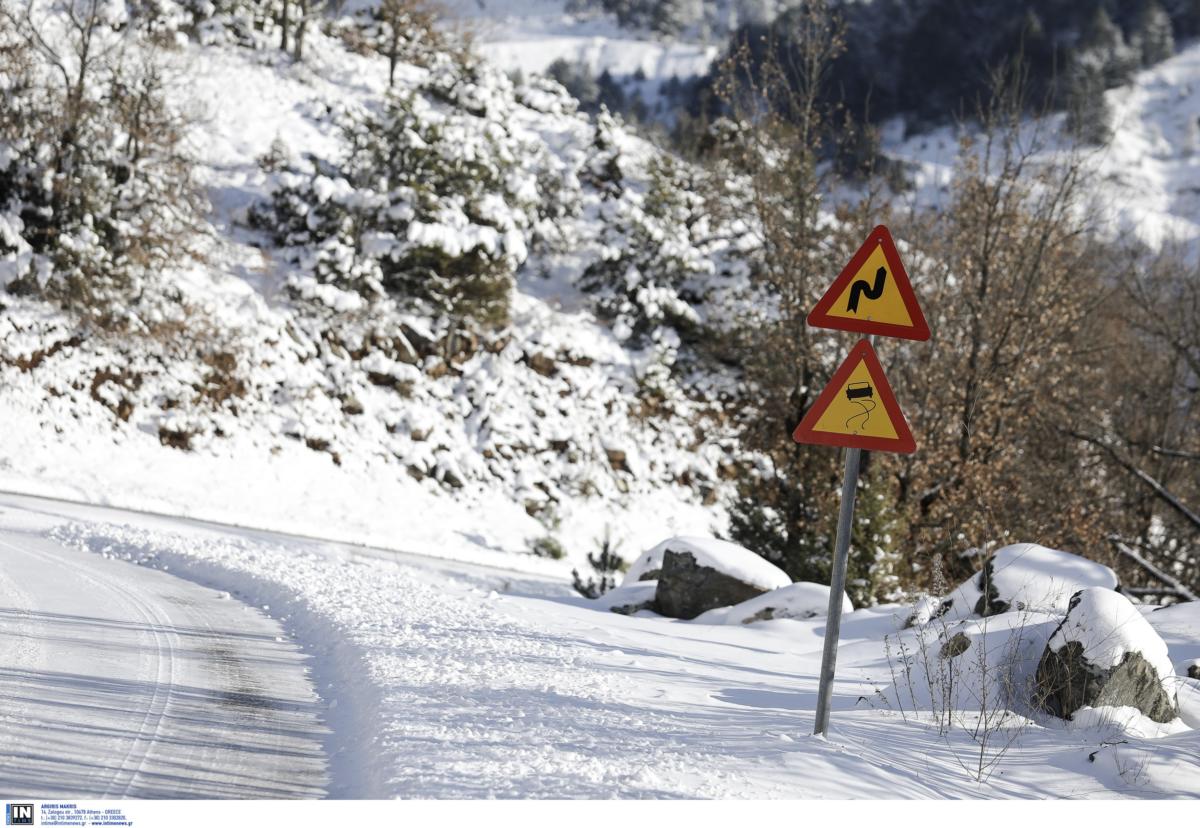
(872, 295)
(857, 409)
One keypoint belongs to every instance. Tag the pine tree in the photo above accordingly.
(1154, 35)
(1103, 46)
(1088, 116)
(606, 565)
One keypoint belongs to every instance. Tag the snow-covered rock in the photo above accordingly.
(1187, 699)
(1021, 576)
(1105, 654)
(733, 560)
(800, 600)
(699, 574)
(629, 597)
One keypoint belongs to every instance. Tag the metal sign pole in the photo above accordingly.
(837, 584)
(837, 588)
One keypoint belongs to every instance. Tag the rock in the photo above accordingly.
(1193, 670)
(800, 600)
(542, 363)
(700, 574)
(958, 644)
(1105, 654)
(418, 341)
(1021, 577)
(618, 461)
(648, 565)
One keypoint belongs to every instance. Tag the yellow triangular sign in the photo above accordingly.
(857, 409)
(872, 294)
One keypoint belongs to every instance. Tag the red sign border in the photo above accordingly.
(820, 317)
(902, 443)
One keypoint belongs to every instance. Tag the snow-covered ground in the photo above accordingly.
(529, 36)
(454, 680)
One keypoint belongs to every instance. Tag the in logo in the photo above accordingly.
(18, 814)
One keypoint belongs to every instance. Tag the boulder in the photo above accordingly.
(1105, 654)
(800, 600)
(1021, 576)
(700, 574)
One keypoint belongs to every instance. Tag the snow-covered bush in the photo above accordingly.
(248, 23)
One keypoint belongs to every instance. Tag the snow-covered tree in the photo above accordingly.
(1154, 35)
(1102, 46)
(95, 192)
(651, 252)
(1088, 116)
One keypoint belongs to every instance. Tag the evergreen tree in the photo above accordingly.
(1088, 116)
(1102, 47)
(1154, 35)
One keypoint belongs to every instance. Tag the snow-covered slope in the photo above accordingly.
(529, 36)
(1146, 180)
(268, 413)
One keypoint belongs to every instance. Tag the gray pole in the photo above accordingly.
(837, 588)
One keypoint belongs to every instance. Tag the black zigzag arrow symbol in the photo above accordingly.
(861, 288)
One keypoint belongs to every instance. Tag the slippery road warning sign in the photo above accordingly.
(872, 295)
(857, 409)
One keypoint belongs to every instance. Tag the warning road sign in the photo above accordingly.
(872, 294)
(857, 409)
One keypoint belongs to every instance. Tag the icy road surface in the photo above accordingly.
(118, 681)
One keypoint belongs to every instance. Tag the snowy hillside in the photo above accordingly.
(536, 432)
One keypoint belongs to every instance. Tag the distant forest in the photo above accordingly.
(927, 60)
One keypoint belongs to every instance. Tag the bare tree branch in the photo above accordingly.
(1174, 585)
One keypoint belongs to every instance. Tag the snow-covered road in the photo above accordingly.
(118, 681)
(441, 679)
